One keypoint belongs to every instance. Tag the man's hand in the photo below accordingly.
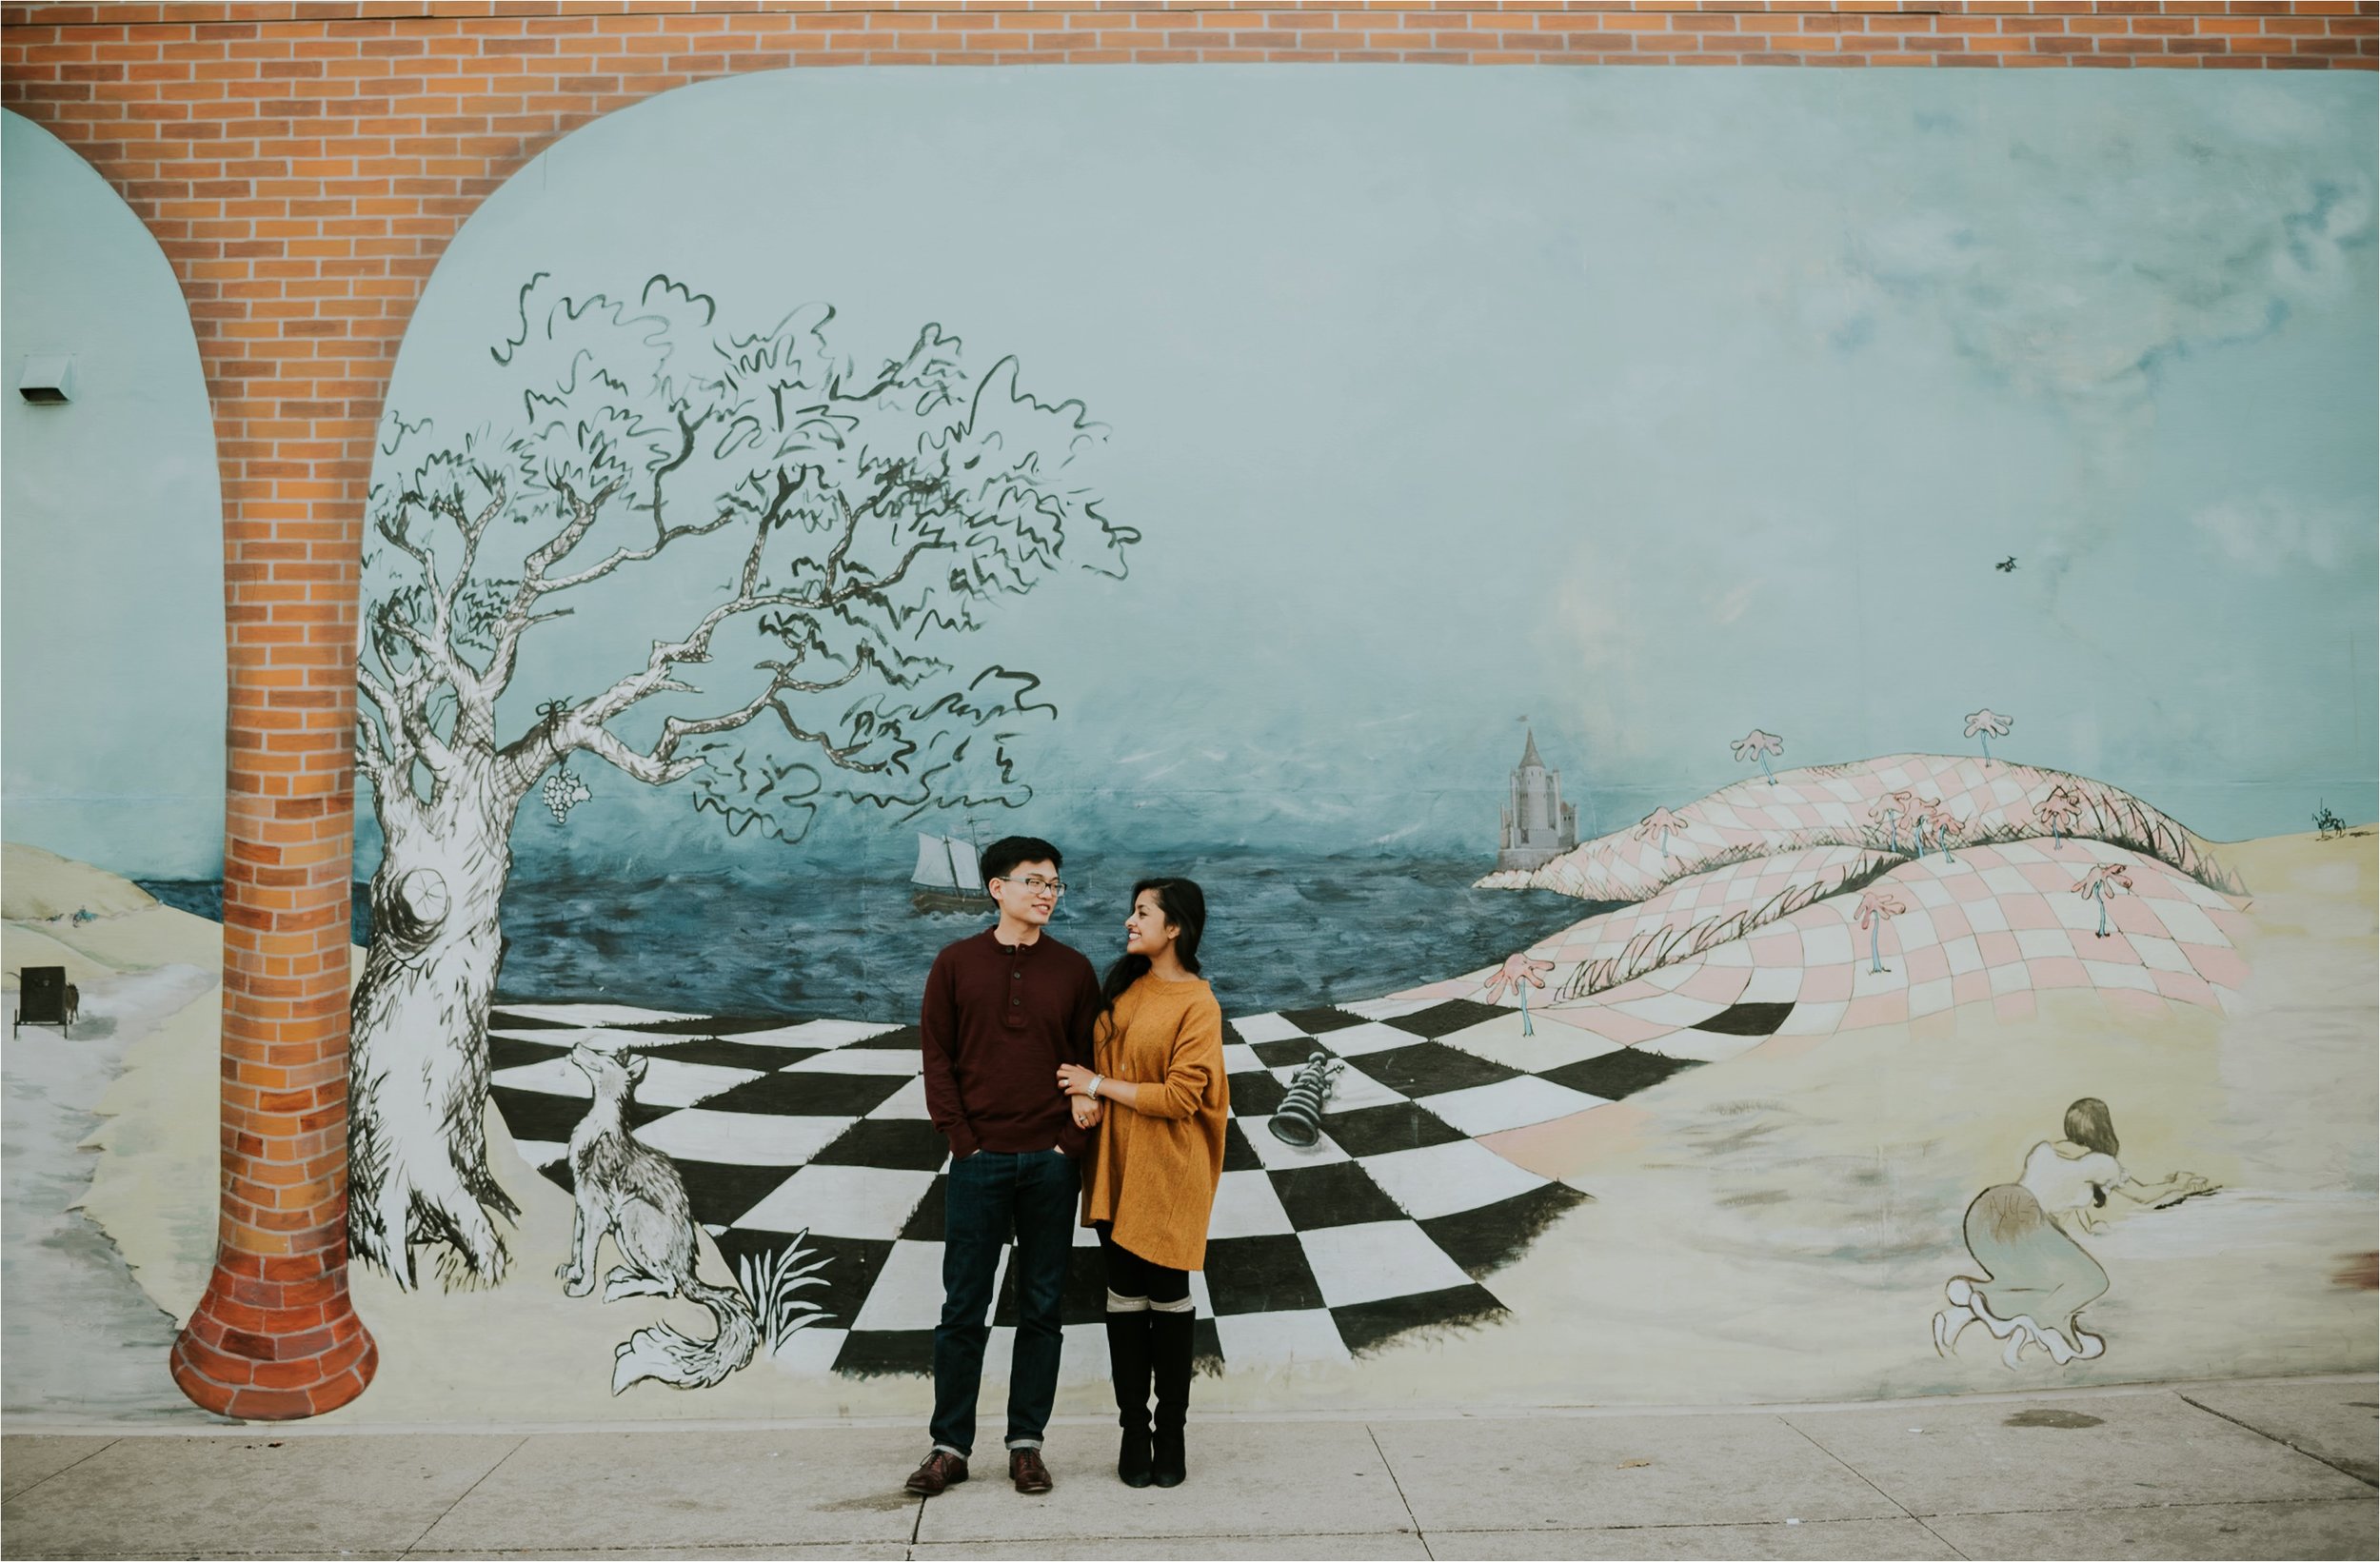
(1086, 1112)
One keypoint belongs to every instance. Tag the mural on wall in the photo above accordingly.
(1618, 1052)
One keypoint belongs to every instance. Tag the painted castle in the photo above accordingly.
(1538, 825)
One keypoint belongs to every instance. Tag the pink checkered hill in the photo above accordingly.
(1816, 903)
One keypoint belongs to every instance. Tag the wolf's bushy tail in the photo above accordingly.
(660, 1352)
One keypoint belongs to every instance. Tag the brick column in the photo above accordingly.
(304, 164)
(275, 1335)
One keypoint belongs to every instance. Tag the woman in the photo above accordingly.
(2036, 1282)
(2036, 1279)
(2072, 1177)
(1150, 1187)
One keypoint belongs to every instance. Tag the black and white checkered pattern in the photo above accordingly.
(1390, 1223)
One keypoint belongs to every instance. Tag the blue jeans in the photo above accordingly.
(991, 1193)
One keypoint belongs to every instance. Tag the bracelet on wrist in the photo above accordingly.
(1097, 1079)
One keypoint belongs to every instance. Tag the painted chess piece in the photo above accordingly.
(1298, 1118)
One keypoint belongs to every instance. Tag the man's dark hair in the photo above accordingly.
(1002, 856)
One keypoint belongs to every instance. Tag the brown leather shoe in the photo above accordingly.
(1026, 1469)
(938, 1472)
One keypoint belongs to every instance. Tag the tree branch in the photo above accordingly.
(498, 674)
(473, 531)
(534, 583)
(676, 729)
(644, 767)
(685, 453)
(427, 651)
(434, 666)
(397, 539)
(377, 692)
(393, 792)
(524, 761)
(656, 676)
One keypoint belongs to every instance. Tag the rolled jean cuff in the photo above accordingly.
(1016, 1443)
(954, 1453)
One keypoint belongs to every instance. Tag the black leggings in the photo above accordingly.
(1133, 1280)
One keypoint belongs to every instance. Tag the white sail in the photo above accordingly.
(962, 860)
(935, 868)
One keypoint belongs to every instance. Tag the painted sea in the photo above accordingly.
(1283, 931)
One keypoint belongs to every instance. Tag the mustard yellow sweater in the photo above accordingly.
(1154, 1171)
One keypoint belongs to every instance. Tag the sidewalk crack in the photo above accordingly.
(1939, 1538)
(2269, 1437)
(1370, 1431)
(519, 1444)
(63, 1469)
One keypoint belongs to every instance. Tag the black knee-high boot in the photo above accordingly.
(1169, 1365)
(1128, 1360)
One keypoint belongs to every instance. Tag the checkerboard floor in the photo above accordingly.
(1395, 1221)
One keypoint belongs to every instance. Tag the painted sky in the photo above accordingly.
(111, 599)
(1651, 407)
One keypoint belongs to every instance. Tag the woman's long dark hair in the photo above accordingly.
(1183, 905)
(2088, 1124)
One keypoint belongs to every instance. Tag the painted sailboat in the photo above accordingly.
(948, 877)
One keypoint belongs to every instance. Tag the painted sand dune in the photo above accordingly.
(1891, 804)
(1849, 946)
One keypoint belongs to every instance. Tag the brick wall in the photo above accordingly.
(304, 166)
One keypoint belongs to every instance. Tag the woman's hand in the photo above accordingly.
(2181, 1185)
(1086, 1113)
(1074, 1080)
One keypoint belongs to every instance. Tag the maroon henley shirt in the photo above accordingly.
(995, 1022)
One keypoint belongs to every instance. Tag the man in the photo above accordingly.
(1002, 1011)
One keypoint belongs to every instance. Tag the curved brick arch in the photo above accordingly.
(304, 165)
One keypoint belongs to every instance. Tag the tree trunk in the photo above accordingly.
(417, 1152)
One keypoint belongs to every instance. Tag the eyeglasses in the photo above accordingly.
(1035, 884)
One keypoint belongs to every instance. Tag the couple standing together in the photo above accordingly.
(1066, 1098)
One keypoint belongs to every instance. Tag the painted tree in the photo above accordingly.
(1758, 744)
(1892, 808)
(792, 548)
(1518, 973)
(2103, 883)
(1987, 725)
(1876, 907)
(1657, 826)
(2058, 811)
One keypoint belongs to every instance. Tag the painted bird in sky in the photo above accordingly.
(2007, 566)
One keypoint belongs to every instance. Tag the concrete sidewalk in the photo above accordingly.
(2270, 1468)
